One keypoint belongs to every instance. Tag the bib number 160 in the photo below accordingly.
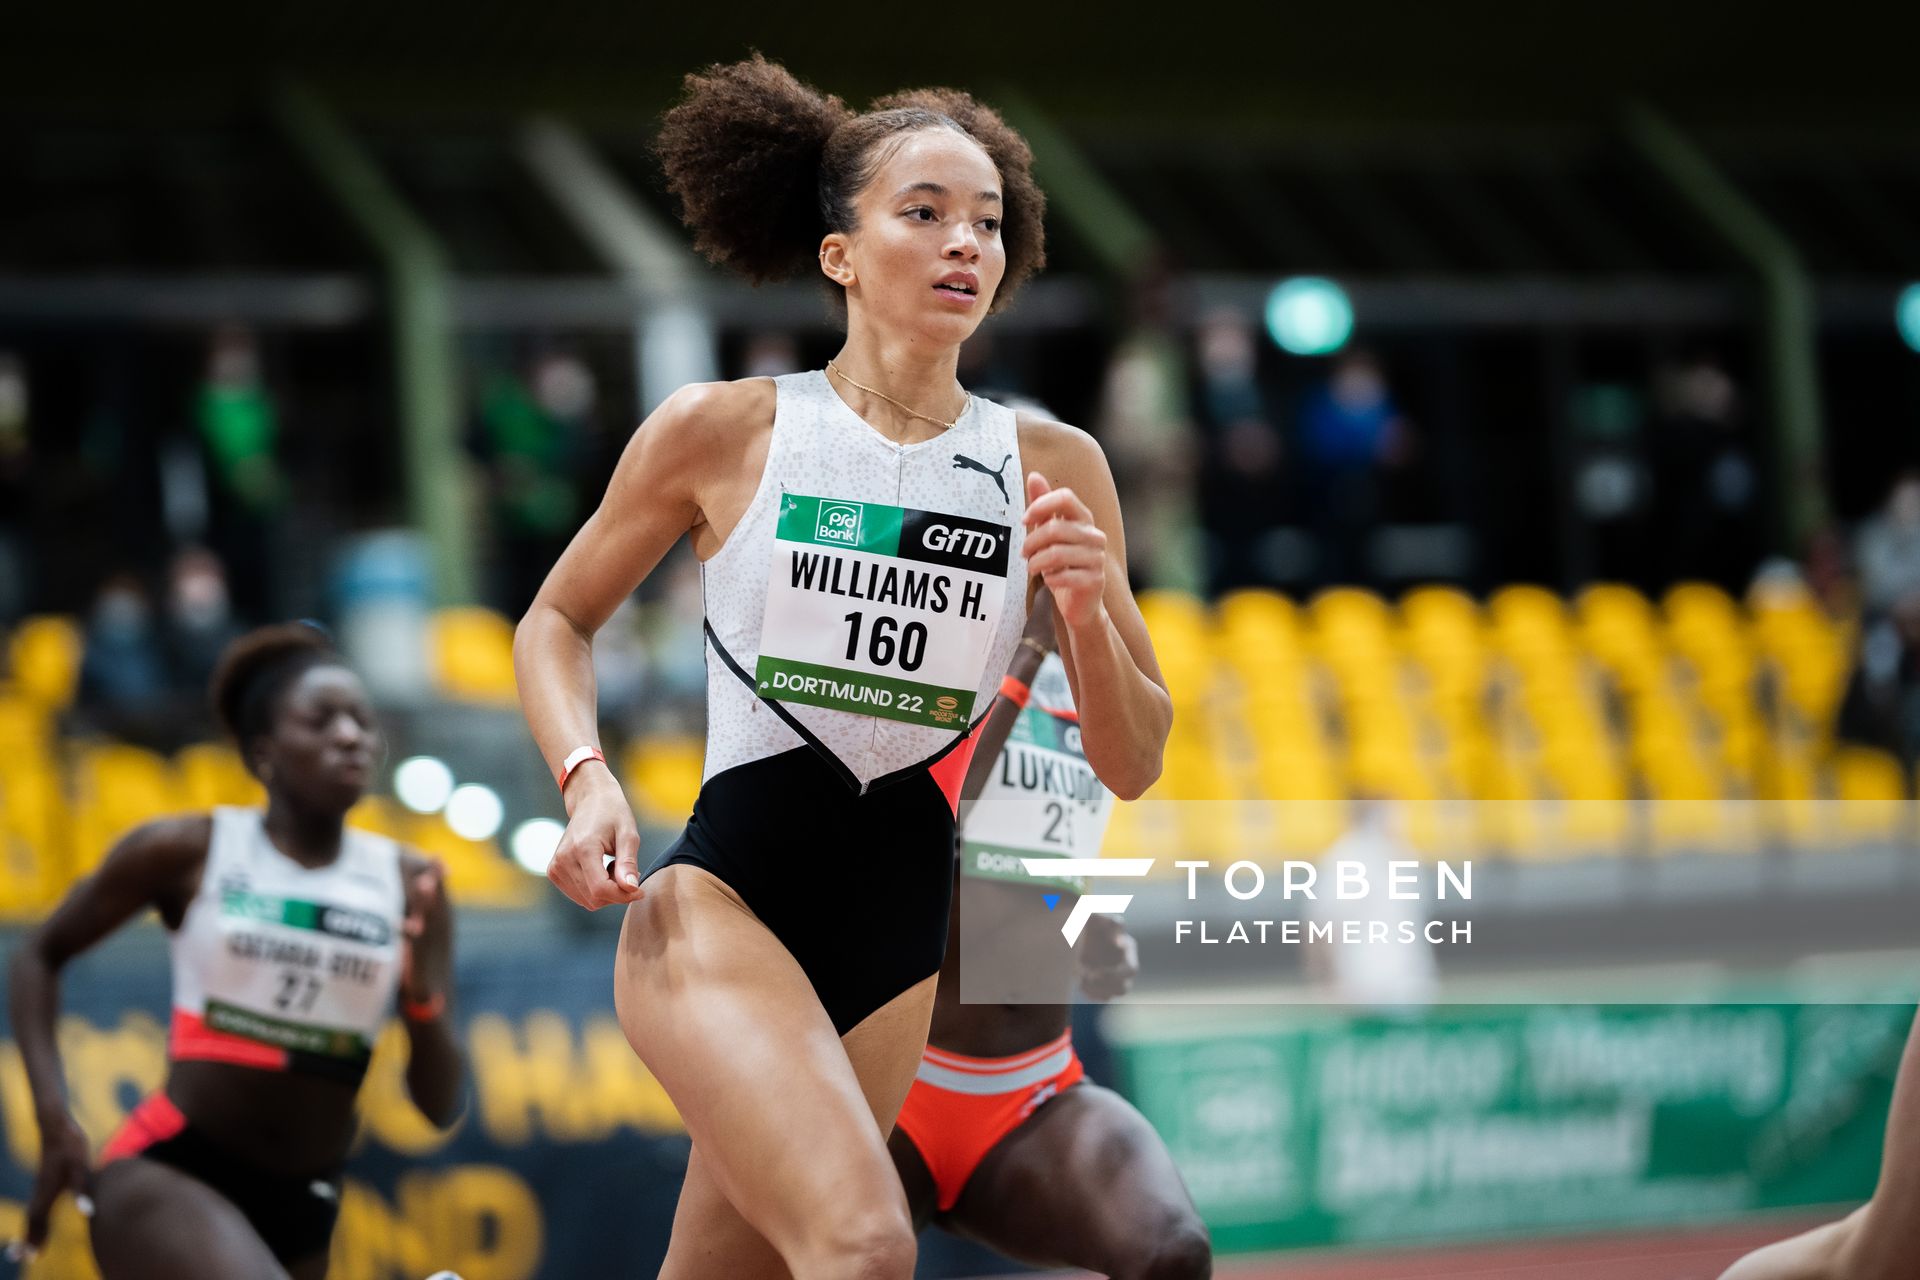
(888, 643)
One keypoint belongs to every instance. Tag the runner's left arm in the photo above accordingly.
(435, 1072)
(1075, 545)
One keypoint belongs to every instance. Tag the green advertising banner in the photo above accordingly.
(1483, 1122)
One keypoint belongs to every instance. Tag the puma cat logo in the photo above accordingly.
(961, 462)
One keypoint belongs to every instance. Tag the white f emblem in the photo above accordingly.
(1089, 904)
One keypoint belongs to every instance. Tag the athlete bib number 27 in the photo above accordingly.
(879, 610)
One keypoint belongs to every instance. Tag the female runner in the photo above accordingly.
(1002, 1139)
(291, 935)
(868, 547)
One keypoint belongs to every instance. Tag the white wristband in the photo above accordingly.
(577, 757)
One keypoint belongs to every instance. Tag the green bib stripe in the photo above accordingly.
(848, 526)
(325, 1042)
(864, 693)
(982, 861)
(339, 922)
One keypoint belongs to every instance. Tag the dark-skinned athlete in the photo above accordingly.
(1002, 1140)
(291, 937)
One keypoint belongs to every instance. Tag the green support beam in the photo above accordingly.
(1788, 354)
(1099, 215)
(425, 361)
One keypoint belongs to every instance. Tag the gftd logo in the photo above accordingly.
(1089, 904)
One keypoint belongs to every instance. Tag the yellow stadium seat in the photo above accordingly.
(1870, 789)
(1441, 609)
(45, 659)
(1181, 631)
(381, 816)
(473, 655)
(117, 787)
(211, 774)
(662, 777)
(1525, 605)
(1350, 609)
(33, 817)
(1861, 773)
(1257, 611)
(25, 726)
(478, 873)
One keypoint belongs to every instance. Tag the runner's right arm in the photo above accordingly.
(155, 865)
(655, 496)
(1108, 958)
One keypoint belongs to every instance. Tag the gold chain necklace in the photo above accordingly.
(836, 370)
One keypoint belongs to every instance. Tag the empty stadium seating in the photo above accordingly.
(1530, 724)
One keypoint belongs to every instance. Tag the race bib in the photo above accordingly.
(1041, 799)
(881, 611)
(306, 976)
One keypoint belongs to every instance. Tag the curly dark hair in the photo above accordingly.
(256, 670)
(764, 166)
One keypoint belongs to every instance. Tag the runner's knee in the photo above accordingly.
(1182, 1252)
(870, 1245)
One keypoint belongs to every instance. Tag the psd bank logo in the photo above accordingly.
(838, 522)
(1089, 904)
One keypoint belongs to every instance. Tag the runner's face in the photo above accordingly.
(928, 256)
(325, 741)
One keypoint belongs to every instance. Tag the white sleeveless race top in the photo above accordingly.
(872, 594)
(286, 967)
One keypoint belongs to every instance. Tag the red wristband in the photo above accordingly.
(579, 757)
(423, 1010)
(1014, 691)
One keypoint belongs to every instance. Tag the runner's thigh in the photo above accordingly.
(787, 1121)
(153, 1222)
(1085, 1182)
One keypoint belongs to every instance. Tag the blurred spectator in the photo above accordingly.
(1351, 431)
(123, 676)
(16, 460)
(239, 431)
(1881, 707)
(1887, 548)
(200, 621)
(1241, 485)
(1149, 440)
(1707, 478)
(533, 436)
(1368, 974)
